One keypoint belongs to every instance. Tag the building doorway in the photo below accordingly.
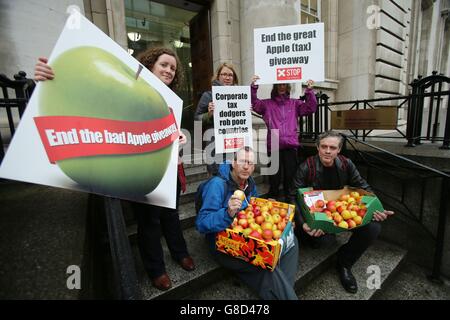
(169, 24)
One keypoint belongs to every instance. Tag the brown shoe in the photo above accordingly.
(187, 263)
(162, 282)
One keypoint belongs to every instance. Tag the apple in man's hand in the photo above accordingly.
(91, 82)
(240, 194)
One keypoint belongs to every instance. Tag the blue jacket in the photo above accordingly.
(213, 215)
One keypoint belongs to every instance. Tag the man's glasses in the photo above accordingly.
(245, 162)
(227, 75)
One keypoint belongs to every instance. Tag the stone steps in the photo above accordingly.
(210, 281)
(316, 277)
(387, 257)
(312, 262)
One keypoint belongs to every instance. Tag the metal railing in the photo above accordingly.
(392, 165)
(15, 96)
(424, 93)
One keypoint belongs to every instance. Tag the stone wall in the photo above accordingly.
(30, 29)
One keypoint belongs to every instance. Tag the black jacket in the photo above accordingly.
(347, 173)
(201, 114)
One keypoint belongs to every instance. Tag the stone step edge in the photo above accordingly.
(301, 279)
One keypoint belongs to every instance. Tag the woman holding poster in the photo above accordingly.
(281, 113)
(225, 76)
(153, 220)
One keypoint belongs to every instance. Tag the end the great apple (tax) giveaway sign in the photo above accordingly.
(232, 118)
(105, 124)
(289, 54)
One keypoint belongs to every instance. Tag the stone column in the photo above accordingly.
(225, 34)
(433, 44)
(108, 16)
(115, 10)
(357, 51)
(330, 19)
(262, 14)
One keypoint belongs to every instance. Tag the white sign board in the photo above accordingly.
(100, 126)
(290, 53)
(232, 118)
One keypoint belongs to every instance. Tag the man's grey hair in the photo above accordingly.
(246, 149)
(330, 134)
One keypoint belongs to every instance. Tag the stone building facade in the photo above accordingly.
(373, 48)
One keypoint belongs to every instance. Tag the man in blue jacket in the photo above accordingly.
(220, 206)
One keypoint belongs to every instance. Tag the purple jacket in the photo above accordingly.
(282, 113)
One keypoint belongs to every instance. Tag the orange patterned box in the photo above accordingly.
(237, 242)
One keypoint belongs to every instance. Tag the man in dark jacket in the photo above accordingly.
(220, 206)
(330, 171)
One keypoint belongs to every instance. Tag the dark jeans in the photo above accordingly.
(288, 166)
(361, 239)
(152, 222)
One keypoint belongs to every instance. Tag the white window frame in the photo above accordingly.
(309, 13)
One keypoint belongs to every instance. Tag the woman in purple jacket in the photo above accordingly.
(281, 113)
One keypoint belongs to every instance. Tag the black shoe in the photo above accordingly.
(347, 279)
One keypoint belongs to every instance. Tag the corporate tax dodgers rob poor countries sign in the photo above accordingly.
(232, 118)
(292, 53)
(104, 124)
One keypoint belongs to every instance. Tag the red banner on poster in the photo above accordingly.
(67, 137)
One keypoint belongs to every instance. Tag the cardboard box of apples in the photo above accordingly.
(260, 234)
(335, 211)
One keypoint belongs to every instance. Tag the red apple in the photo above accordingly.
(255, 234)
(238, 228)
(277, 234)
(275, 210)
(243, 223)
(241, 215)
(351, 223)
(267, 234)
(266, 225)
(319, 204)
(259, 219)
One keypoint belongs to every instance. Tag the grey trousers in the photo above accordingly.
(276, 285)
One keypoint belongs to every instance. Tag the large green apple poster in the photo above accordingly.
(104, 125)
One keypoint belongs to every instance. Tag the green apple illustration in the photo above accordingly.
(91, 82)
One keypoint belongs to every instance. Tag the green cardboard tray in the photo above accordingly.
(319, 220)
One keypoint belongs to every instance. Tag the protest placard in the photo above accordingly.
(104, 125)
(232, 118)
(289, 54)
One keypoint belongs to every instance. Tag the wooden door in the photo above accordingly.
(201, 54)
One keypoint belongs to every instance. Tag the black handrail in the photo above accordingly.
(124, 268)
(445, 191)
(23, 88)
